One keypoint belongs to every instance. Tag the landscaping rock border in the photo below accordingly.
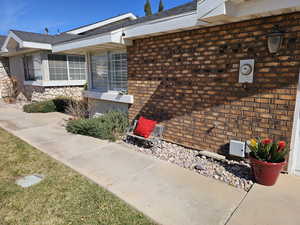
(234, 173)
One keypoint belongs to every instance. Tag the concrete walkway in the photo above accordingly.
(165, 192)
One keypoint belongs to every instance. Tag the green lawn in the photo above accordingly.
(63, 197)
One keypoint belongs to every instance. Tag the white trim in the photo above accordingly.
(99, 40)
(56, 83)
(174, 23)
(295, 139)
(182, 21)
(109, 96)
(24, 44)
(9, 36)
(28, 44)
(68, 68)
(226, 11)
(130, 16)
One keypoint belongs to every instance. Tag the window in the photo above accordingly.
(32, 67)
(118, 72)
(58, 68)
(99, 71)
(77, 67)
(28, 68)
(109, 71)
(63, 67)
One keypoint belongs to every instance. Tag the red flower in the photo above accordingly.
(267, 141)
(281, 145)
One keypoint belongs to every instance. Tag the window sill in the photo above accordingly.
(56, 83)
(109, 96)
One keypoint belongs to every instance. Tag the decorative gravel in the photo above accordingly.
(235, 173)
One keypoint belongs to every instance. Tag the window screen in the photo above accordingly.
(99, 71)
(58, 68)
(77, 67)
(29, 68)
(118, 71)
(109, 71)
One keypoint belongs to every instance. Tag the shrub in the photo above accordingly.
(110, 126)
(40, 107)
(78, 109)
(59, 104)
(62, 103)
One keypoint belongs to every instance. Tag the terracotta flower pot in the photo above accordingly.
(266, 173)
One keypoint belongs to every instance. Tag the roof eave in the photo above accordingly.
(24, 44)
(103, 40)
(226, 11)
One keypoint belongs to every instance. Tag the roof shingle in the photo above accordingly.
(65, 37)
(42, 38)
(188, 7)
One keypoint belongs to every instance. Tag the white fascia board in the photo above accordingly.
(205, 7)
(11, 35)
(257, 7)
(116, 36)
(179, 22)
(24, 44)
(109, 96)
(113, 37)
(82, 43)
(102, 23)
(224, 10)
(28, 44)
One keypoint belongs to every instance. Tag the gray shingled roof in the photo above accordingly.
(188, 7)
(2, 40)
(65, 37)
(42, 38)
(191, 6)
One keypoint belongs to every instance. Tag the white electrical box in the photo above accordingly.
(246, 71)
(237, 148)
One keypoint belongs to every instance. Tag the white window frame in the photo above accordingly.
(108, 81)
(68, 68)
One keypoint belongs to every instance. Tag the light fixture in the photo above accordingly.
(275, 40)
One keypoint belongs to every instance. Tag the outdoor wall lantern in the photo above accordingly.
(275, 40)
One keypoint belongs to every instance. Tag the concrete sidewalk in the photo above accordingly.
(275, 205)
(167, 193)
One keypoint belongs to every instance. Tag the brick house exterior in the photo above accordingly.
(181, 67)
(188, 81)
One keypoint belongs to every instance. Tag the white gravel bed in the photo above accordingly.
(235, 173)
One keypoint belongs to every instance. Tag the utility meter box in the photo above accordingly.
(246, 71)
(237, 148)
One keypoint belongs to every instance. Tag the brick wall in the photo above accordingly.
(188, 81)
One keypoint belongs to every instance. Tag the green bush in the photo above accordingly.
(110, 126)
(40, 107)
(59, 104)
(62, 103)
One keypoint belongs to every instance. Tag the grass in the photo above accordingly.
(64, 197)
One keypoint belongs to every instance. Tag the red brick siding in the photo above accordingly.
(189, 82)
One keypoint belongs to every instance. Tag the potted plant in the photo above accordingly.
(267, 158)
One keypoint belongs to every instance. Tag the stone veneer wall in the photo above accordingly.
(188, 81)
(36, 93)
(4, 76)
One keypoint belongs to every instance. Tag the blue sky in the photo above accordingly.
(35, 15)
